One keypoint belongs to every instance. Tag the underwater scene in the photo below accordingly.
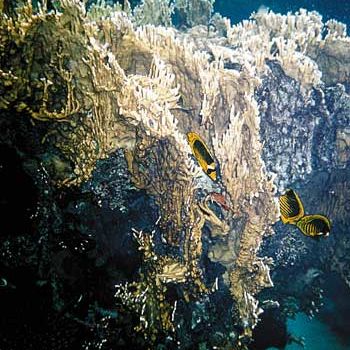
(174, 174)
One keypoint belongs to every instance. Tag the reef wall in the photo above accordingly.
(124, 86)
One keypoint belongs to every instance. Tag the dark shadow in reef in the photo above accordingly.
(58, 269)
(336, 310)
(271, 331)
(18, 194)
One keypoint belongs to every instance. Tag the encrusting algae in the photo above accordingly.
(108, 78)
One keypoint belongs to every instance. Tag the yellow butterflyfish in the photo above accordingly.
(292, 212)
(202, 154)
(314, 225)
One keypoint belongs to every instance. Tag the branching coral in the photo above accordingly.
(157, 12)
(247, 193)
(332, 54)
(194, 12)
(153, 169)
(98, 132)
(47, 88)
(27, 87)
(146, 297)
(296, 42)
(101, 9)
(284, 38)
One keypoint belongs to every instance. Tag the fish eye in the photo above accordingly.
(209, 171)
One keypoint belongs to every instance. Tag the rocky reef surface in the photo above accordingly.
(121, 239)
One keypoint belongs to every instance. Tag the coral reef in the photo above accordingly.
(147, 296)
(193, 12)
(156, 12)
(112, 94)
(304, 133)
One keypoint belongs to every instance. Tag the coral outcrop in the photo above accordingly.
(110, 79)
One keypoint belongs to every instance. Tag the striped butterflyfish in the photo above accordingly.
(202, 154)
(292, 212)
(314, 225)
(291, 208)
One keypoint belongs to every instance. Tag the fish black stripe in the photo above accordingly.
(322, 226)
(294, 205)
(289, 205)
(285, 203)
(304, 228)
(282, 205)
(291, 195)
(198, 145)
(285, 212)
(290, 211)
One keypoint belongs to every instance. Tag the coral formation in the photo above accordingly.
(146, 297)
(108, 78)
(194, 12)
(156, 12)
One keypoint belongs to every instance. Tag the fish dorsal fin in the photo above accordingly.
(314, 225)
(291, 207)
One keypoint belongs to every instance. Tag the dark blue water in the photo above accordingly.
(238, 10)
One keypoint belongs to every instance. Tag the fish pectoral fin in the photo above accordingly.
(284, 220)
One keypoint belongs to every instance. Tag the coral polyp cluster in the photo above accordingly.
(109, 78)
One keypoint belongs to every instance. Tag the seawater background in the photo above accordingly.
(237, 10)
(330, 329)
